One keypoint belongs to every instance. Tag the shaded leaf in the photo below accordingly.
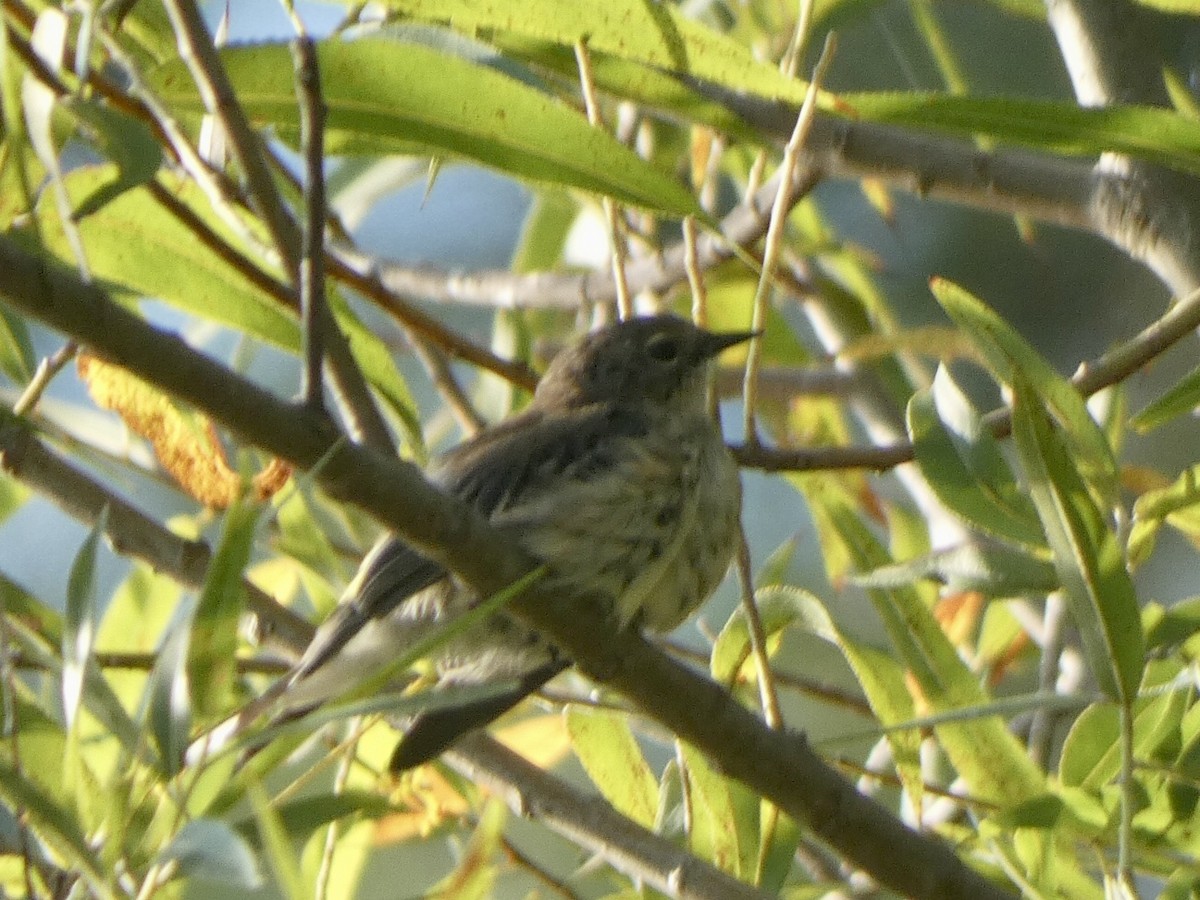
(210, 849)
(1086, 553)
(1008, 355)
(986, 566)
(961, 462)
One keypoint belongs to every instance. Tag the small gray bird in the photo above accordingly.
(615, 475)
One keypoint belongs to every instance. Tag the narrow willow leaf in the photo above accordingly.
(212, 651)
(989, 758)
(210, 849)
(655, 35)
(956, 463)
(54, 825)
(610, 754)
(776, 610)
(1178, 503)
(1180, 400)
(988, 567)
(280, 856)
(401, 108)
(1160, 135)
(1008, 355)
(135, 244)
(16, 349)
(79, 622)
(880, 675)
(167, 699)
(724, 817)
(1087, 555)
(475, 876)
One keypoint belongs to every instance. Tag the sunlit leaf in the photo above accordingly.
(402, 108)
(212, 651)
(610, 754)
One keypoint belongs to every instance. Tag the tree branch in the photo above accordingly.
(775, 764)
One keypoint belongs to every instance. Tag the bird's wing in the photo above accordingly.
(388, 575)
(527, 455)
(492, 471)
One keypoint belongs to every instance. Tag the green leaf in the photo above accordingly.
(54, 825)
(209, 849)
(656, 35)
(167, 698)
(631, 80)
(776, 610)
(1151, 133)
(1087, 555)
(79, 622)
(475, 876)
(613, 760)
(404, 107)
(13, 495)
(16, 350)
(725, 825)
(1178, 504)
(281, 858)
(124, 140)
(989, 567)
(991, 761)
(1008, 355)
(880, 675)
(136, 245)
(964, 467)
(212, 651)
(1182, 399)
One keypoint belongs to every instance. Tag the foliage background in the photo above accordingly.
(1071, 294)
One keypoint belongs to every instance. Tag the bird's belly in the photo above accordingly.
(655, 536)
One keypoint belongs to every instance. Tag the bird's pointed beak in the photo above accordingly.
(715, 342)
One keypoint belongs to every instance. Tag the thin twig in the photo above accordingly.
(592, 823)
(438, 369)
(657, 272)
(196, 49)
(46, 370)
(823, 692)
(313, 315)
(768, 695)
(612, 216)
(145, 662)
(526, 863)
(1041, 726)
(774, 239)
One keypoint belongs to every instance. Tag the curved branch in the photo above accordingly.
(776, 764)
(592, 823)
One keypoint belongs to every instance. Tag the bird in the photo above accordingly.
(615, 475)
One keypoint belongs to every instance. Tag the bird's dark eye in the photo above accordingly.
(663, 347)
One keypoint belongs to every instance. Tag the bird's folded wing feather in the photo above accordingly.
(499, 468)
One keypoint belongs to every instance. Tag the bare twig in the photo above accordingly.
(592, 823)
(444, 381)
(779, 209)
(612, 215)
(198, 53)
(46, 370)
(313, 315)
(778, 765)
